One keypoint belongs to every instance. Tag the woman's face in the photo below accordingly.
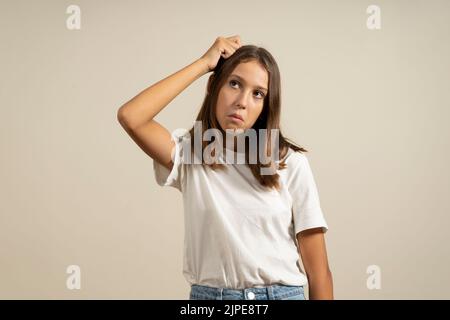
(242, 96)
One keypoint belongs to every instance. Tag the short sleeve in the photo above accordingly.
(174, 177)
(306, 210)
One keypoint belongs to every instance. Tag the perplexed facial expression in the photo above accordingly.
(241, 98)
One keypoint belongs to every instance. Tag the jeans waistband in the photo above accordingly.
(272, 292)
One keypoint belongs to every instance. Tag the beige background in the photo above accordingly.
(372, 106)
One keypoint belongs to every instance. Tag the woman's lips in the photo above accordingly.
(236, 118)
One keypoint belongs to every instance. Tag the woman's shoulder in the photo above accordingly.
(180, 134)
(294, 158)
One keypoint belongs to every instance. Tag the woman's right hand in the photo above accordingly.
(222, 47)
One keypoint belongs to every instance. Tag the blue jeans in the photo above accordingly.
(273, 292)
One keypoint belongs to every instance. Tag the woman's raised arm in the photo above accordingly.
(136, 116)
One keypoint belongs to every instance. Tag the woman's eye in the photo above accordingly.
(233, 81)
(261, 95)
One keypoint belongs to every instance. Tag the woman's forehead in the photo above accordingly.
(252, 73)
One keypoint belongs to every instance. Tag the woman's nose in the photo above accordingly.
(242, 100)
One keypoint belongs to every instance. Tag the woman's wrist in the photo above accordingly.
(203, 65)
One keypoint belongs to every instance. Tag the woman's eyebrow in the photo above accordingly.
(243, 80)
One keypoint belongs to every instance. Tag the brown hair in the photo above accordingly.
(268, 119)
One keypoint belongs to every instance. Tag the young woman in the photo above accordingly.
(245, 231)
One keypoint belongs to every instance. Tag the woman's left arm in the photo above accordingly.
(313, 252)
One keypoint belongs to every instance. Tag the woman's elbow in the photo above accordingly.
(124, 118)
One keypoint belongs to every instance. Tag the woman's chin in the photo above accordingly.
(233, 125)
(234, 129)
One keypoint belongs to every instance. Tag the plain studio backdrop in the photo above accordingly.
(370, 105)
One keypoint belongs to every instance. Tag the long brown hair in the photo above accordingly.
(268, 119)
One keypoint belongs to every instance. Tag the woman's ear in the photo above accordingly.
(210, 80)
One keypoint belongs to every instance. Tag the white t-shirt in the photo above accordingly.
(238, 234)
